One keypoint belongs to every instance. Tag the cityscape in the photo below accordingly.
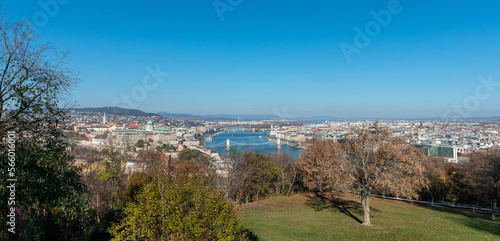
(452, 140)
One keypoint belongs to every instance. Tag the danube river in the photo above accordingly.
(248, 137)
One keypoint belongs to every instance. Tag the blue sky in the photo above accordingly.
(268, 56)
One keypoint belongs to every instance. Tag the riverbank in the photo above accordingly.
(241, 140)
(210, 135)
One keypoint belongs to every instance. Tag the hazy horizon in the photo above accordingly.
(287, 116)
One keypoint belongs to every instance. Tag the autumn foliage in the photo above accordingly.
(484, 173)
(367, 160)
(319, 166)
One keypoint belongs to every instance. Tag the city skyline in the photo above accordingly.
(424, 60)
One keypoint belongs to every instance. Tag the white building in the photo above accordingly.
(99, 140)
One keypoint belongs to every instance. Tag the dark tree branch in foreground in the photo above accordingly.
(33, 84)
(33, 78)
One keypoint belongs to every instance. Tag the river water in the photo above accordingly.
(248, 137)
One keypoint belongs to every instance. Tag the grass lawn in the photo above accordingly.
(305, 217)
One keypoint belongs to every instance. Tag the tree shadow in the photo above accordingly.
(478, 220)
(250, 235)
(347, 207)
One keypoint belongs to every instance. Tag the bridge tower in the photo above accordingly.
(228, 147)
(278, 143)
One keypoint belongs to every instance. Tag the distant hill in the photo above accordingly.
(219, 117)
(224, 117)
(181, 116)
(116, 111)
(484, 118)
(245, 117)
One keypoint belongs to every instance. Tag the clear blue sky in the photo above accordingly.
(269, 55)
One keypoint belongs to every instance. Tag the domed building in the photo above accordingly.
(149, 126)
(128, 137)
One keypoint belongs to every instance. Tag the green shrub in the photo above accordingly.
(171, 208)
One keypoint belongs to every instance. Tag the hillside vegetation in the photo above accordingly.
(306, 217)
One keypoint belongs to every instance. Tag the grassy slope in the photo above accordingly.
(307, 218)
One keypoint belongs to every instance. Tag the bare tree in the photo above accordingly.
(485, 171)
(149, 160)
(376, 160)
(33, 79)
(319, 166)
(234, 183)
(34, 84)
(367, 159)
(435, 172)
(250, 176)
(287, 172)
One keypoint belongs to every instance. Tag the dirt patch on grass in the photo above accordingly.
(252, 205)
(271, 202)
(276, 202)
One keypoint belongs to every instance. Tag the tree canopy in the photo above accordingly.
(180, 207)
(368, 159)
(33, 83)
(485, 173)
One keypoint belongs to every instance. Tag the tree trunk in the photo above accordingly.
(283, 185)
(494, 201)
(365, 202)
(1, 107)
(320, 189)
(291, 185)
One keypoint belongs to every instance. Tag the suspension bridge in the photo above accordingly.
(229, 143)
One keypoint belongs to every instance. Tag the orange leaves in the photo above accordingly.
(319, 165)
(367, 159)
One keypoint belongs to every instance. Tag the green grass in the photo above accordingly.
(304, 217)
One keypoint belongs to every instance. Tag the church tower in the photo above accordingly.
(421, 132)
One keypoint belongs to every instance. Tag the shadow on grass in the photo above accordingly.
(478, 221)
(250, 235)
(346, 207)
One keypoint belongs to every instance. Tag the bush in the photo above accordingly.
(137, 180)
(171, 208)
(140, 143)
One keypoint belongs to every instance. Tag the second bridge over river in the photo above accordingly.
(229, 143)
